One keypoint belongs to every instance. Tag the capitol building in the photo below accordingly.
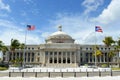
(59, 50)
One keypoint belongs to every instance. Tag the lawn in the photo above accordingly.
(3, 68)
(115, 68)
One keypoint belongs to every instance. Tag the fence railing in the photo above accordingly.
(63, 74)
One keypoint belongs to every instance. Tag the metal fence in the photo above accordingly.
(60, 74)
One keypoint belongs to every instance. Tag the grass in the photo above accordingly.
(3, 68)
(115, 68)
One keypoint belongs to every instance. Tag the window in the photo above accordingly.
(28, 59)
(72, 53)
(64, 53)
(101, 48)
(68, 60)
(46, 53)
(59, 60)
(32, 54)
(55, 60)
(68, 53)
(81, 48)
(51, 60)
(64, 60)
(90, 48)
(105, 48)
(59, 53)
(55, 53)
(38, 59)
(86, 48)
(38, 54)
(51, 53)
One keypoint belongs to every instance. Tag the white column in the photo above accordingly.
(103, 57)
(100, 59)
(89, 57)
(57, 57)
(70, 57)
(53, 57)
(30, 56)
(75, 57)
(48, 57)
(92, 59)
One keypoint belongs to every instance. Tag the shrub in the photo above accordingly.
(3, 68)
(104, 65)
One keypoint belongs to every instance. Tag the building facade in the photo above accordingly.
(60, 51)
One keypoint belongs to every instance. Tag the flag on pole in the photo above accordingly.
(98, 29)
(30, 27)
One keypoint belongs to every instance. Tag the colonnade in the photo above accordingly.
(60, 57)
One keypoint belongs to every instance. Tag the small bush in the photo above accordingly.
(104, 65)
(3, 68)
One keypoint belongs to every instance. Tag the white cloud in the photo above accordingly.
(110, 14)
(4, 6)
(9, 30)
(91, 5)
(78, 28)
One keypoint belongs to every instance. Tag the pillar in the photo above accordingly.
(53, 56)
(70, 57)
(57, 57)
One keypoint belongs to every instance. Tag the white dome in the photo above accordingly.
(60, 34)
(59, 37)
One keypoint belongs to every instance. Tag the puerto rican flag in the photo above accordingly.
(98, 29)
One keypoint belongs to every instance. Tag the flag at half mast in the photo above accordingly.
(30, 27)
(98, 29)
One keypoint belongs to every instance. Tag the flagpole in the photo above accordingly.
(95, 50)
(24, 48)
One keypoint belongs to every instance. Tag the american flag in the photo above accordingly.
(30, 27)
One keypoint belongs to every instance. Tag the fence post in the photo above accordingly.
(99, 73)
(9, 74)
(87, 73)
(74, 74)
(111, 72)
(61, 74)
(48, 74)
(22, 74)
(35, 74)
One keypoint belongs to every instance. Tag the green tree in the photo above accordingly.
(111, 55)
(3, 48)
(15, 44)
(97, 53)
(108, 41)
(22, 46)
(117, 50)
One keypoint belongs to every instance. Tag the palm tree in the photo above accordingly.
(111, 55)
(108, 41)
(3, 48)
(22, 46)
(97, 53)
(14, 45)
(117, 49)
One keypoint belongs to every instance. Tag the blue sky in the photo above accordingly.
(78, 18)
